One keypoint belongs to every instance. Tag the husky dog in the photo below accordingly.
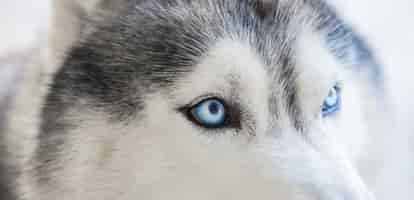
(204, 99)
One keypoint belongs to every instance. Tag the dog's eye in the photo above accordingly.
(209, 113)
(332, 102)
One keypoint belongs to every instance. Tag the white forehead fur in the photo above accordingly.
(318, 70)
(231, 69)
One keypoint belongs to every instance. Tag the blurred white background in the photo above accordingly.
(21, 22)
(387, 25)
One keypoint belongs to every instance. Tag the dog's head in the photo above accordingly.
(211, 100)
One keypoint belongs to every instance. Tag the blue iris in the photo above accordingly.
(332, 103)
(209, 113)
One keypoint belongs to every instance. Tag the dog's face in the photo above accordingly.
(211, 100)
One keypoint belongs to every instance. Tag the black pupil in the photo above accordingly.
(214, 108)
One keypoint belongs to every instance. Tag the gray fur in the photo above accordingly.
(145, 46)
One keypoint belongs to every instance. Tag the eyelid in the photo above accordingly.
(202, 98)
(339, 84)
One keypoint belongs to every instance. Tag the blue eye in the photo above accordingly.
(332, 102)
(210, 113)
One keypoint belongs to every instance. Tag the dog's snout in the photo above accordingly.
(321, 169)
(343, 183)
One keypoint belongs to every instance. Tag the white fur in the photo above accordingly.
(162, 155)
